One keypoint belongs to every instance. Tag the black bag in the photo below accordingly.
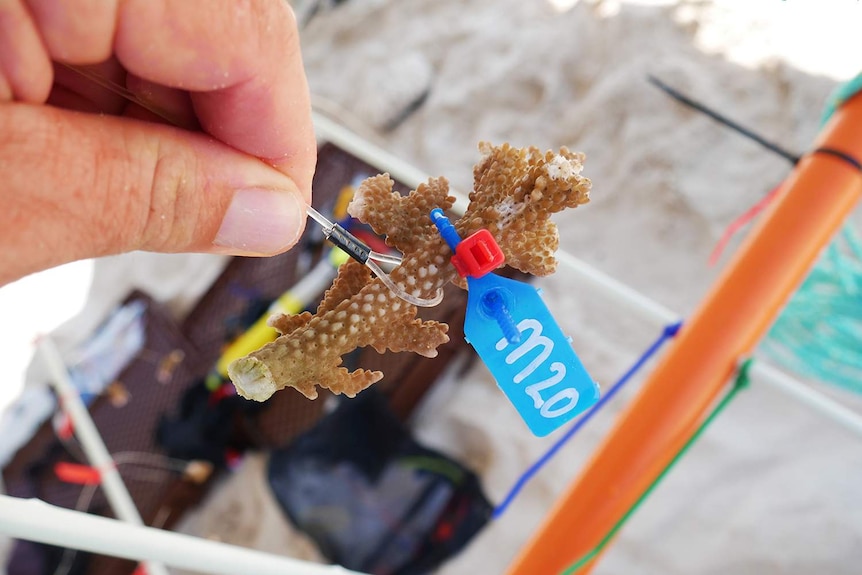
(372, 498)
(204, 427)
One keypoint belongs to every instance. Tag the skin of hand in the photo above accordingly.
(86, 173)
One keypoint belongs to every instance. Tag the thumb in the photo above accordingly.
(76, 186)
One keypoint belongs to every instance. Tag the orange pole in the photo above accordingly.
(731, 320)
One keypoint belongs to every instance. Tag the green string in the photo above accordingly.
(742, 381)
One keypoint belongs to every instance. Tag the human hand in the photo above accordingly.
(84, 172)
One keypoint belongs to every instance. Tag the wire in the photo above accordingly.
(123, 92)
(384, 258)
(397, 290)
(358, 250)
(146, 459)
(742, 381)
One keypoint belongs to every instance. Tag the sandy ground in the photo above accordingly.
(772, 488)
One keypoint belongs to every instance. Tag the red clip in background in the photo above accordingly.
(77, 473)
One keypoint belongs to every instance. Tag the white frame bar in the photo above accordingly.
(94, 447)
(36, 520)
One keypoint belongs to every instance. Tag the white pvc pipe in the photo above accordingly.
(848, 418)
(402, 171)
(624, 294)
(91, 442)
(605, 284)
(35, 520)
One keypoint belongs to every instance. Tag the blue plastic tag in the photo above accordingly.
(514, 333)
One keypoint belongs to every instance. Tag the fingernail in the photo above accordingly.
(261, 221)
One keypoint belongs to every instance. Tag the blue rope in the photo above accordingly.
(668, 332)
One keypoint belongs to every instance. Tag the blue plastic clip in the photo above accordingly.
(515, 335)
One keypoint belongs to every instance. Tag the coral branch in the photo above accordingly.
(515, 192)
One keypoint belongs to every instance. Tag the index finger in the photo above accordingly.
(241, 62)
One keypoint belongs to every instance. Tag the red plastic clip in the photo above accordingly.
(477, 255)
(223, 391)
(77, 473)
(64, 427)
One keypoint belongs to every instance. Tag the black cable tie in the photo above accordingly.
(722, 119)
(840, 155)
